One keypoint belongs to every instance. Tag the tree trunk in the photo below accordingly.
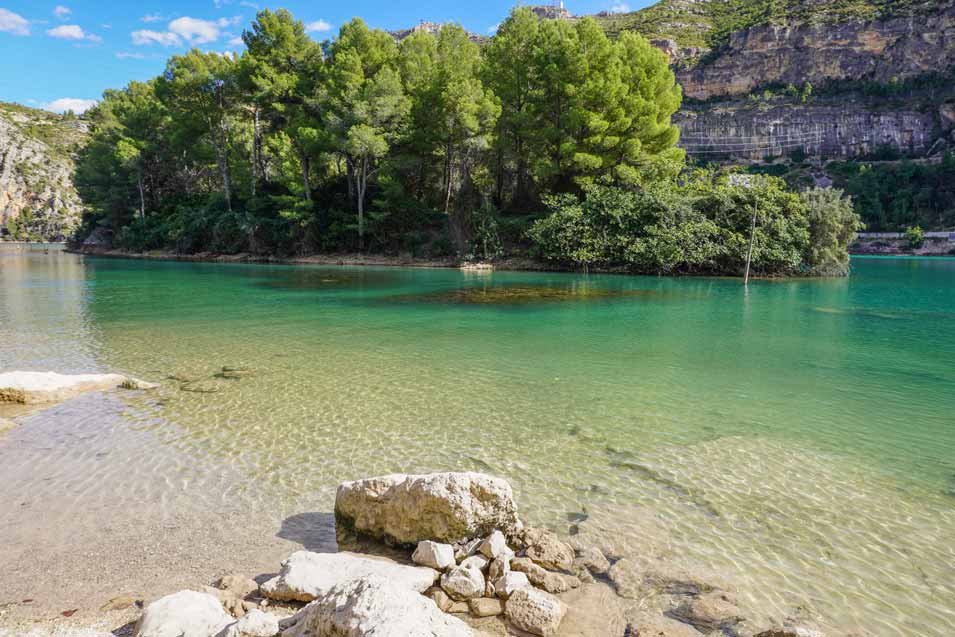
(255, 148)
(362, 185)
(306, 182)
(142, 196)
(448, 174)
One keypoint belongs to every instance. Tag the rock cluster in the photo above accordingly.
(45, 387)
(487, 577)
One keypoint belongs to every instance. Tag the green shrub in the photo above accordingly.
(915, 237)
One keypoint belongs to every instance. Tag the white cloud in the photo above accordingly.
(195, 31)
(10, 22)
(61, 12)
(494, 28)
(221, 3)
(72, 32)
(70, 104)
(236, 41)
(249, 5)
(152, 17)
(620, 7)
(124, 55)
(146, 37)
(319, 26)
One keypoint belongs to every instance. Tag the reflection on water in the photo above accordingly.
(804, 453)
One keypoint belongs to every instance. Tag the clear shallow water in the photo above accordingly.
(798, 439)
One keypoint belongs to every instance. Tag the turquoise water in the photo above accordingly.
(798, 437)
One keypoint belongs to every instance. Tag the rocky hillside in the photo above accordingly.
(37, 197)
(834, 78)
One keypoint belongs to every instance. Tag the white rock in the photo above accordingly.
(510, 583)
(45, 387)
(535, 611)
(498, 568)
(434, 555)
(462, 583)
(375, 607)
(256, 623)
(493, 547)
(467, 549)
(478, 562)
(306, 576)
(183, 614)
(444, 507)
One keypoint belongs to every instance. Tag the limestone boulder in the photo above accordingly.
(462, 583)
(494, 546)
(593, 560)
(255, 623)
(238, 585)
(506, 586)
(486, 607)
(535, 611)
(547, 550)
(443, 507)
(306, 576)
(183, 614)
(29, 388)
(373, 606)
(434, 555)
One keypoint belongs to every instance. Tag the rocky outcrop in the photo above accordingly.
(183, 614)
(825, 128)
(374, 605)
(443, 507)
(306, 576)
(37, 197)
(796, 52)
(28, 388)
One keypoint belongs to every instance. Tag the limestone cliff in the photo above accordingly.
(37, 197)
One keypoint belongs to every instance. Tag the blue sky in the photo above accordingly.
(63, 54)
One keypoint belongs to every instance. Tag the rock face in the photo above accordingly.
(829, 127)
(44, 387)
(306, 576)
(37, 197)
(374, 606)
(183, 614)
(797, 52)
(442, 507)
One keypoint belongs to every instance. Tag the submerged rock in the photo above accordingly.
(374, 605)
(535, 611)
(593, 560)
(443, 507)
(45, 387)
(546, 549)
(183, 614)
(306, 576)
(707, 613)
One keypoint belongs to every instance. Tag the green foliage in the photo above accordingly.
(833, 224)
(890, 197)
(915, 237)
(701, 226)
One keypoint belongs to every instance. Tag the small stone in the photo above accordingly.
(239, 585)
(546, 549)
(572, 581)
(458, 608)
(228, 599)
(462, 583)
(535, 611)
(593, 560)
(498, 568)
(493, 547)
(478, 562)
(440, 598)
(507, 585)
(434, 555)
(489, 590)
(584, 577)
(486, 607)
(121, 603)
(255, 624)
(535, 573)
(467, 549)
(554, 583)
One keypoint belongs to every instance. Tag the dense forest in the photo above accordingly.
(549, 140)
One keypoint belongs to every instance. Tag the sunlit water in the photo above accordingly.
(799, 438)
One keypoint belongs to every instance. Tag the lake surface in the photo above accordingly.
(798, 439)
